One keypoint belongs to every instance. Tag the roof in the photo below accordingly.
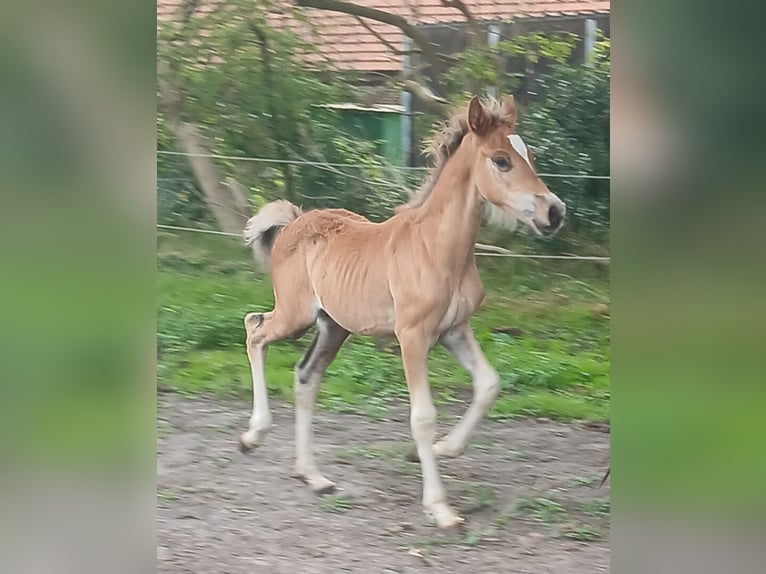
(351, 46)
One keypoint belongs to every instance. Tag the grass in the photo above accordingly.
(565, 521)
(477, 497)
(570, 521)
(581, 533)
(335, 503)
(395, 451)
(555, 363)
(166, 496)
(591, 480)
(598, 507)
(542, 509)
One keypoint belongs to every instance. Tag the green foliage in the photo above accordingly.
(567, 126)
(508, 65)
(178, 199)
(536, 47)
(252, 95)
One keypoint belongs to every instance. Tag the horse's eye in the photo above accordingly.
(502, 163)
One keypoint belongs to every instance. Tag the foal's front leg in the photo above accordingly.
(461, 342)
(414, 348)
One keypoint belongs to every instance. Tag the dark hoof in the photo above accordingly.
(412, 455)
(329, 489)
(244, 448)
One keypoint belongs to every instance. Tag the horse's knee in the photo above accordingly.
(255, 335)
(253, 321)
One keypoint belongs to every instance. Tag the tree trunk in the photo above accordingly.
(223, 207)
(238, 194)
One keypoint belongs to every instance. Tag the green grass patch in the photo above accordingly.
(543, 509)
(166, 496)
(395, 451)
(599, 507)
(554, 363)
(335, 503)
(581, 533)
(554, 514)
(477, 497)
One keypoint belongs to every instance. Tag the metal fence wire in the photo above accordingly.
(182, 207)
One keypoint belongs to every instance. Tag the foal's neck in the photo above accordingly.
(452, 213)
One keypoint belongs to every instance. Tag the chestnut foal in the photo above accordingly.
(413, 276)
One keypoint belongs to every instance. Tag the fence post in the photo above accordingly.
(493, 35)
(406, 102)
(590, 39)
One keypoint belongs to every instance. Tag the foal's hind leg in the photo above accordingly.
(262, 329)
(460, 341)
(308, 376)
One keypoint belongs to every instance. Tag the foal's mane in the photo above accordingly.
(444, 143)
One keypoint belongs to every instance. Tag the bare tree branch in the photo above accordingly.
(473, 26)
(417, 36)
(413, 82)
(425, 94)
(383, 41)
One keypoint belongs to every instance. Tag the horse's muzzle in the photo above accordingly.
(555, 220)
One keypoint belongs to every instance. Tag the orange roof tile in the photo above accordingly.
(351, 46)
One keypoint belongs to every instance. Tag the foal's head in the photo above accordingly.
(504, 172)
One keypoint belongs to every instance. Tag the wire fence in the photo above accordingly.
(484, 250)
(329, 165)
(181, 202)
(375, 192)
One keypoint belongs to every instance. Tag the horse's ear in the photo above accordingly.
(509, 109)
(478, 119)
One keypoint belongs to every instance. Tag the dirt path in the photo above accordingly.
(528, 490)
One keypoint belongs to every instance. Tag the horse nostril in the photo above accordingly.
(554, 217)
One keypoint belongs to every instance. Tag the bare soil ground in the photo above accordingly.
(528, 489)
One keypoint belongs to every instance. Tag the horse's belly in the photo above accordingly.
(370, 313)
(351, 286)
(360, 317)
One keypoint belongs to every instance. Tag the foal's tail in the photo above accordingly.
(262, 229)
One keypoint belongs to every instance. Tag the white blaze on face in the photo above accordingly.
(521, 148)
